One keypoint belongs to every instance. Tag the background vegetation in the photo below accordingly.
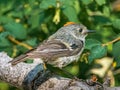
(26, 23)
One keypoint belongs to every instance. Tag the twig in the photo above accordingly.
(14, 51)
(111, 42)
(19, 43)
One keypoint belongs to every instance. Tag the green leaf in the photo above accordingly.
(32, 42)
(18, 14)
(31, 2)
(116, 52)
(86, 2)
(4, 86)
(34, 20)
(106, 11)
(16, 30)
(101, 19)
(5, 19)
(7, 49)
(89, 43)
(29, 61)
(100, 2)
(5, 5)
(21, 49)
(97, 52)
(45, 4)
(70, 13)
(4, 42)
(116, 23)
(68, 2)
(4, 34)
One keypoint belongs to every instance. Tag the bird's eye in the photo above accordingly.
(80, 30)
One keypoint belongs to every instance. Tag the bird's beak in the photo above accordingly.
(90, 31)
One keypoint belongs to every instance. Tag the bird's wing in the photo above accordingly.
(50, 50)
(54, 49)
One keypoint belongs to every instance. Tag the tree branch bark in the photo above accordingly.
(34, 77)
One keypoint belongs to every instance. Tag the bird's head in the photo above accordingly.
(79, 31)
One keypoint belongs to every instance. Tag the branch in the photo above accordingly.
(34, 77)
(111, 42)
(19, 43)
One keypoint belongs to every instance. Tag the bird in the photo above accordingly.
(61, 48)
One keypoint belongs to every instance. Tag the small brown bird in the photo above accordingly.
(61, 48)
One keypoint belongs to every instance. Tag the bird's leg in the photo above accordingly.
(44, 66)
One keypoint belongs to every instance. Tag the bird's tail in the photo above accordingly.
(19, 59)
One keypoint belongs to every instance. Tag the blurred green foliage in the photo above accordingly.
(31, 21)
